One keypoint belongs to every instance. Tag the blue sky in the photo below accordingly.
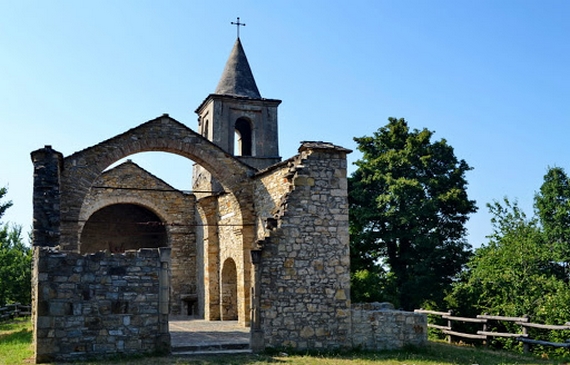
(491, 77)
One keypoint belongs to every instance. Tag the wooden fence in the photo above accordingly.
(484, 334)
(16, 310)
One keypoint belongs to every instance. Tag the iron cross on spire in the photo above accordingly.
(238, 24)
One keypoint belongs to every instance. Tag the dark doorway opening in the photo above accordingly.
(122, 227)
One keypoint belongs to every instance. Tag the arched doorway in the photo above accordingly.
(121, 227)
(229, 305)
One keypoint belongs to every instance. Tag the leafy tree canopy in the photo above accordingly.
(15, 262)
(523, 269)
(4, 205)
(408, 209)
(552, 205)
(504, 276)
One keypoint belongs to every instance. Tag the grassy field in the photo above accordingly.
(15, 348)
(15, 342)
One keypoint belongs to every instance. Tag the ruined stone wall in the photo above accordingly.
(97, 305)
(377, 329)
(305, 266)
(296, 211)
(304, 283)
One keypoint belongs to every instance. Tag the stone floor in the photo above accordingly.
(200, 336)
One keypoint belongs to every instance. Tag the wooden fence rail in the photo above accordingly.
(15, 310)
(484, 334)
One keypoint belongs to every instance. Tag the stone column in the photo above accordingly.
(46, 199)
(163, 300)
(256, 342)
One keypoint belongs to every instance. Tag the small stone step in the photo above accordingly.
(211, 347)
(211, 352)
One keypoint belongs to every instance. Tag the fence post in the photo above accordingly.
(449, 339)
(526, 346)
(485, 342)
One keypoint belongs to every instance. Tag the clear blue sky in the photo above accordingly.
(492, 77)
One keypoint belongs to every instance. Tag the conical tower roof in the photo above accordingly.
(237, 78)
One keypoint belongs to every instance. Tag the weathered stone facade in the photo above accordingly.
(100, 304)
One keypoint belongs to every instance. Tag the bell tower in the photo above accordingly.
(237, 118)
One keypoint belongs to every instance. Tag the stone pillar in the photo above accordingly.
(256, 342)
(46, 199)
(208, 209)
(163, 300)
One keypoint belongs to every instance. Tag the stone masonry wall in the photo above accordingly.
(97, 305)
(305, 266)
(377, 329)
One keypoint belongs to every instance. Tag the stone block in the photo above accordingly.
(60, 308)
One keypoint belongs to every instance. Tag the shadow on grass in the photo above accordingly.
(14, 325)
(23, 337)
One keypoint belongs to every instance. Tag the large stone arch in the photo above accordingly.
(81, 170)
(164, 134)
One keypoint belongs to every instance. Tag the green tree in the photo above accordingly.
(15, 261)
(6, 205)
(502, 276)
(408, 209)
(552, 205)
(513, 275)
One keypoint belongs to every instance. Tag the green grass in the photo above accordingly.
(16, 337)
(15, 341)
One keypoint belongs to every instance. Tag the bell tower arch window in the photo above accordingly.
(243, 140)
(205, 130)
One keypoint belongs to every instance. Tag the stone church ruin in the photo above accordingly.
(260, 240)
